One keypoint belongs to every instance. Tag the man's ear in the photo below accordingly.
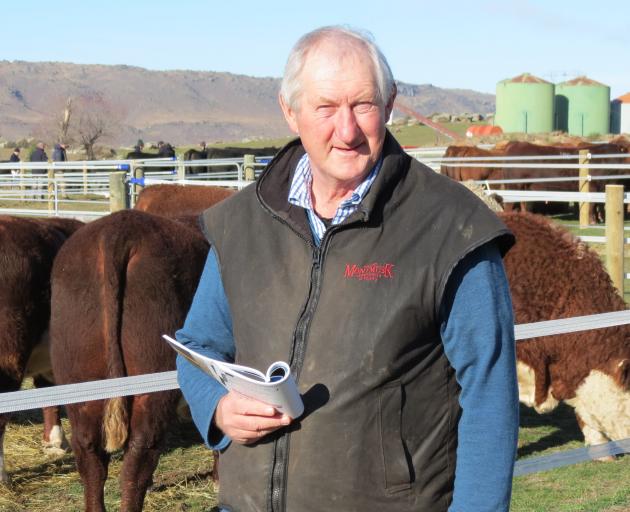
(289, 115)
(389, 106)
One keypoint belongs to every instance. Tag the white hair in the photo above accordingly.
(353, 39)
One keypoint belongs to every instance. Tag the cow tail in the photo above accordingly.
(116, 417)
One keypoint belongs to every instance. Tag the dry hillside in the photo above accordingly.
(178, 106)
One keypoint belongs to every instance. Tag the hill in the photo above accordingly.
(179, 106)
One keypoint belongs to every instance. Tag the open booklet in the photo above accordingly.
(277, 387)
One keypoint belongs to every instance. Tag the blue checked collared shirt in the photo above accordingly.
(300, 195)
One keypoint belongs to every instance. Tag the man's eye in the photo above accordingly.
(325, 109)
(363, 108)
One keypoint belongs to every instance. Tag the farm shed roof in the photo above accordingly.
(483, 129)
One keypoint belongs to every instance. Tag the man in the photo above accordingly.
(39, 183)
(381, 283)
(59, 153)
(165, 150)
(15, 157)
(39, 153)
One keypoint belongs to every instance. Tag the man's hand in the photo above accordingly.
(245, 420)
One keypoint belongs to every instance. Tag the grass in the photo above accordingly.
(420, 135)
(588, 487)
(40, 484)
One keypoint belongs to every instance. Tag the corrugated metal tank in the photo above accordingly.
(525, 104)
(620, 115)
(583, 107)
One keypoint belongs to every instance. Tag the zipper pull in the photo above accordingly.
(316, 254)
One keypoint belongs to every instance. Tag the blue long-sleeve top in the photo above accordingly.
(478, 336)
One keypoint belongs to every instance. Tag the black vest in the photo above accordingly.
(357, 319)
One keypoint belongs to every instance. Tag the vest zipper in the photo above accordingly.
(282, 445)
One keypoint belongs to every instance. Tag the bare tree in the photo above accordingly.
(95, 120)
(64, 123)
(92, 127)
(86, 120)
(58, 127)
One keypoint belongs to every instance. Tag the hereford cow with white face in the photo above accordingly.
(554, 275)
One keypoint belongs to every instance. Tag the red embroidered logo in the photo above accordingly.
(369, 272)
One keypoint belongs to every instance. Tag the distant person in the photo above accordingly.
(15, 157)
(39, 155)
(59, 153)
(139, 147)
(204, 149)
(165, 150)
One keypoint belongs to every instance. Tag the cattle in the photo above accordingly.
(194, 154)
(236, 152)
(119, 284)
(27, 250)
(618, 147)
(136, 154)
(520, 148)
(523, 148)
(462, 172)
(219, 153)
(180, 200)
(553, 275)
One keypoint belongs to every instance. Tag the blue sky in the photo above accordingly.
(467, 44)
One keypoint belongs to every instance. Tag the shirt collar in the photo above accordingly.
(300, 190)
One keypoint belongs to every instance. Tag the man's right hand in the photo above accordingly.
(245, 420)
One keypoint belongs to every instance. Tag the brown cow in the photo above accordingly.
(462, 172)
(522, 148)
(180, 200)
(27, 250)
(554, 275)
(117, 286)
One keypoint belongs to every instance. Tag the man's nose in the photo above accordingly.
(347, 128)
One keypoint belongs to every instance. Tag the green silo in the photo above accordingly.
(583, 107)
(525, 104)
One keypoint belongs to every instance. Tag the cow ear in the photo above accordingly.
(622, 374)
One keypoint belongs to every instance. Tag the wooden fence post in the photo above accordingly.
(50, 188)
(118, 197)
(85, 179)
(248, 166)
(584, 187)
(24, 178)
(138, 173)
(615, 235)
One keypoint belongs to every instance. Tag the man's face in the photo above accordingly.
(340, 119)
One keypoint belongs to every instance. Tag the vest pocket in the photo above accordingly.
(393, 452)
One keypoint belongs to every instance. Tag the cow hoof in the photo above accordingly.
(608, 458)
(54, 451)
(56, 444)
